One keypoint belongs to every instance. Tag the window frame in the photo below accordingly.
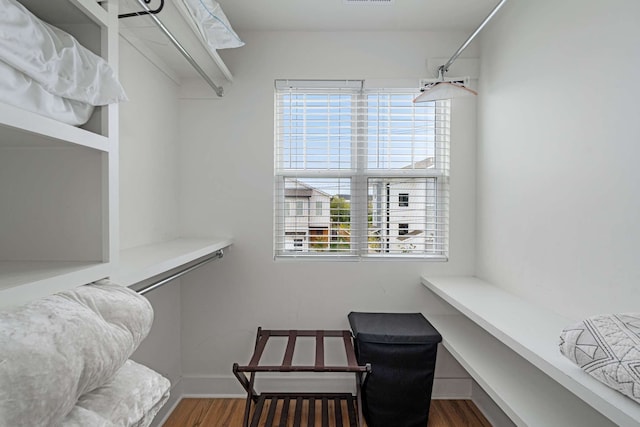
(359, 177)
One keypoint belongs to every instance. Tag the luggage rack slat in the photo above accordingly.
(284, 416)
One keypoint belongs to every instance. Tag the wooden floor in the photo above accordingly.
(229, 413)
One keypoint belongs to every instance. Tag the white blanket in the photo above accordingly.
(56, 349)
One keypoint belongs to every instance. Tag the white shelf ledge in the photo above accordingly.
(24, 281)
(144, 262)
(21, 128)
(533, 333)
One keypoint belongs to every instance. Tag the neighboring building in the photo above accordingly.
(307, 218)
(403, 213)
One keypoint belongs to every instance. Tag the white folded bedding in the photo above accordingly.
(56, 349)
(607, 347)
(213, 24)
(21, 91)
(54, 58)
(131, 399)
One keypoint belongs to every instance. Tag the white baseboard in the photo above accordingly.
(489, 408)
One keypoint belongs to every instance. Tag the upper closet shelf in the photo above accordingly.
(63, 13)
(144, 262)
(174, 16)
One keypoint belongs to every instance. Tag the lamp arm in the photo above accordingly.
(444, 68)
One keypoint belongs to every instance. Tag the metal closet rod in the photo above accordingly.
(219, 254)
(444, 68)
(218, 89)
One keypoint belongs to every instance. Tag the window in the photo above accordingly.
(299, 208)
(364, 154)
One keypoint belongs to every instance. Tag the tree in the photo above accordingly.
(340, 210)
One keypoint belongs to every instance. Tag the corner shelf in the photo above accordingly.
(144, 262)
(498, 335)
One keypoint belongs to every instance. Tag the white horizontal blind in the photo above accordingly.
(359, 172)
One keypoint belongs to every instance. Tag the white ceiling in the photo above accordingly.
(314, 15)
(335, 15)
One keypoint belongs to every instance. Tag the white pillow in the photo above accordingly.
(607, 347)
(213, 24)
(54, 58)
(22, 91)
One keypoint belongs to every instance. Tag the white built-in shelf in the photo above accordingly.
(144, 262)
(527, 396)
(20, 128)
(57, 181)
(68, 12)
(91, 9)
(175, 17)
(24, 281)
(529, 333)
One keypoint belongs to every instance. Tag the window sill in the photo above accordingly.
(354, 258)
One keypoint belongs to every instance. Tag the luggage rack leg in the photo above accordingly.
(248, 385)
(359, 384)
(252, 395)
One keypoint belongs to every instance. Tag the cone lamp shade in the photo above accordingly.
(444, 90)
(447, 89)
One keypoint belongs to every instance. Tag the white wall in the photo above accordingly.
(148, 197)
(558, 154)
(227, 187)
(149, 152)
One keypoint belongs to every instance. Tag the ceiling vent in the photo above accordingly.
(385, 2)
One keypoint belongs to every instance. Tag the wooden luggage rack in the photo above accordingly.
(344, 408)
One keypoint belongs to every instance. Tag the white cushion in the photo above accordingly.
(607, 347)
